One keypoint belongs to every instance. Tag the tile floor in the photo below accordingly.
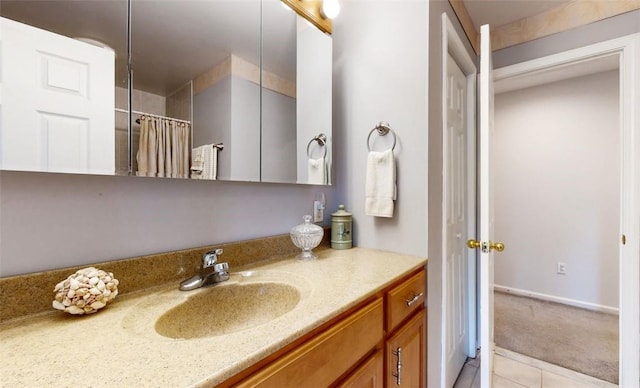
(513, 370)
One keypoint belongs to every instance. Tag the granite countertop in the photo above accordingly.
(119, 346)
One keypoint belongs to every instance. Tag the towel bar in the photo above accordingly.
(383, 129)
(322, 141)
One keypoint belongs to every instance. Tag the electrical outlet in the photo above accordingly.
(562, 268)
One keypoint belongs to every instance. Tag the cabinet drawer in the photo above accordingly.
(404, 299)
(323, 359)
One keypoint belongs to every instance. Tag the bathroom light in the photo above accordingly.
(330, 8)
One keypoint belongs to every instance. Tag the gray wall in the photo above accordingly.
(245, 130)
(278, 138)
(562, 141)
(212, 122)
(57, 220)
(380, 74)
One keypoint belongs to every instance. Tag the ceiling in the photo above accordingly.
(501, 12)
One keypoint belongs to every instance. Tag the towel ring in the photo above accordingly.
(322, 141)
(383, 129)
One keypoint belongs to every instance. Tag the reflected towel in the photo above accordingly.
(316, 172)
(380, 184)
(210, 163)
(197, 160)
(204, 162)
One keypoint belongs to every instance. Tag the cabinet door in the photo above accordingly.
(368, 375)
(322, 360)
(406, 355)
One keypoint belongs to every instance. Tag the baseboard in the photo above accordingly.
(557, 299)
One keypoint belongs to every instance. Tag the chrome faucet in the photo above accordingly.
(211, 272)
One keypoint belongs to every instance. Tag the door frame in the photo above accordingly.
(627, 50)
(452, 44)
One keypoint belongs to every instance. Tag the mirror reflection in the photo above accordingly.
(296, 98)
(205, 104)
(61, 61)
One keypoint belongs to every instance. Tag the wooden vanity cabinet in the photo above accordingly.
(406, 328)
(380, 343)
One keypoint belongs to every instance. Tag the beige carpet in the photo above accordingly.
(581, 340)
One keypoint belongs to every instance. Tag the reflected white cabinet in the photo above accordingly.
(60, 116)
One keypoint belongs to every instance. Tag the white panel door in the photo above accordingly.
(455, 209)
(57, 109)
(485, 208)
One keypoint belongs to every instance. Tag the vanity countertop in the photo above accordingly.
(118, 346)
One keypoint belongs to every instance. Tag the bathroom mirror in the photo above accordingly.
(296, 98)
(196, 62)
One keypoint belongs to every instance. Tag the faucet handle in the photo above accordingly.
(221, 267)
(210, 258)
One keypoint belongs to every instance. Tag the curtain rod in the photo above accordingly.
(151, 114)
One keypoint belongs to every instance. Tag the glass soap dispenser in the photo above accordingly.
(306, 236)
(341, 225)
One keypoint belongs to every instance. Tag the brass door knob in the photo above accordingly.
(473, 244)
(497, 246)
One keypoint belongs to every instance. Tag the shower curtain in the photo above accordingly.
(164, 148)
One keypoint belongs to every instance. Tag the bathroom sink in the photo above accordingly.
(224, 309)
(245, 301)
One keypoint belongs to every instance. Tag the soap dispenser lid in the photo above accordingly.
(341, 212)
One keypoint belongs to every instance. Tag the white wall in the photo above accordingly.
(557, 187)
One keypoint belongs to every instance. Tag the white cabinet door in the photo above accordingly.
(57, 108)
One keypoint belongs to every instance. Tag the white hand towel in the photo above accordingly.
(316, 172)
(380, 184)
(197, 160)
(210, 163)
(204, 162)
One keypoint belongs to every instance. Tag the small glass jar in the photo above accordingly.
(341, 225)
(306, 236)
